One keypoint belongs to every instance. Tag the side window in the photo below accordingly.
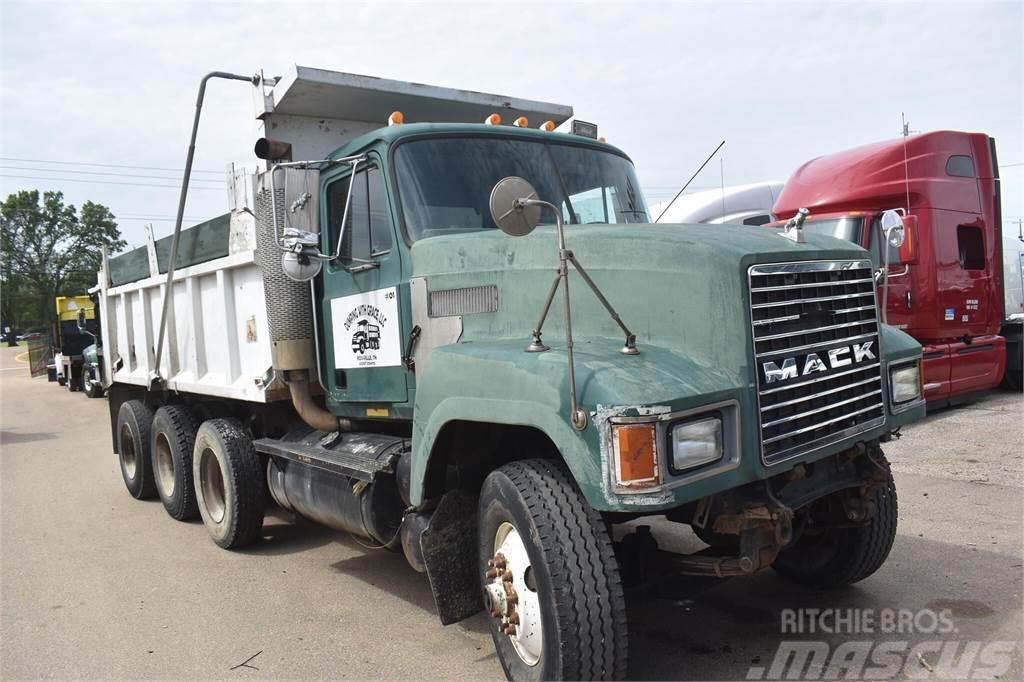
(971, 245)
(380, 215)
(960, 166)
(367, 231)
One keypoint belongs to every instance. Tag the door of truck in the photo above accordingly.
(901, 285)
(361, 302)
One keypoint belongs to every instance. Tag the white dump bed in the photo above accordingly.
(218, 339)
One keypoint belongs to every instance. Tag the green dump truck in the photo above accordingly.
(527, 388)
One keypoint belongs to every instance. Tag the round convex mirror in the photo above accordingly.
(512, 219)
(299, 268)
(892, 228)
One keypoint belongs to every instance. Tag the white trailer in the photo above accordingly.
(740, 204)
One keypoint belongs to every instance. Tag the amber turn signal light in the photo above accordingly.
(636, 455)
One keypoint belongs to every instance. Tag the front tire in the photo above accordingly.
(229, 483)
(134, 422)
(548, 570)
(92, 389)
(837, 557)
(174, 438)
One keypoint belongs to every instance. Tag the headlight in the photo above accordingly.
(696, 443)
(905, 383)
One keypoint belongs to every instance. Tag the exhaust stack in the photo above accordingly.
(289, 303)
(272, 150)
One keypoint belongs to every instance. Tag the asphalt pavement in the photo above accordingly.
(94, 584)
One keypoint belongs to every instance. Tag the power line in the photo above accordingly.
(107, 182)
(105, 165)
(82, 172)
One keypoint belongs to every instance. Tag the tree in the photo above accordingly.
(49, 250)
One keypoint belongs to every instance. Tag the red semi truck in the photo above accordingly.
(946, 282)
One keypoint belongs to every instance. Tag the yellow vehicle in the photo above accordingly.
(70, 340)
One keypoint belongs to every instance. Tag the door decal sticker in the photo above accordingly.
(366, 330)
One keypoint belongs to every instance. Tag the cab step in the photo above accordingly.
(360, 456)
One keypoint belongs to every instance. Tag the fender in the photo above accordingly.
(496, 382)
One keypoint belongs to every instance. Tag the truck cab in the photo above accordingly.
(467, 341)
(946, 280)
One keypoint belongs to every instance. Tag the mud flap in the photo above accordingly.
(450, 554)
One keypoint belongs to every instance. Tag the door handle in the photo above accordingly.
(407, 360)
(908, 299)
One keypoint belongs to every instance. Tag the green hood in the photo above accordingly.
(678, 287)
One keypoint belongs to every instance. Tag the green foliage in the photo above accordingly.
(49, 250)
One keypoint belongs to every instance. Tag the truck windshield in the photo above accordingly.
(847, 227)
(445, 183)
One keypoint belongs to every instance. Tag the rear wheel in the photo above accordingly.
(836, 556)
(134, 423)
(549, 577)
(229, 484)
(174, 437)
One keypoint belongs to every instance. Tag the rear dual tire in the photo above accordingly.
(134, 435)
(174, 436)
(231, 491)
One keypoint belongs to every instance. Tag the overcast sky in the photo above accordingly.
(115, 83)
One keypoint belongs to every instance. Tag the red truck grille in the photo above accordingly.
(815, 330)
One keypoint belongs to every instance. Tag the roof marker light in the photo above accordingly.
(547, 125)
(396, 118)
(602, 139)
(493, 120)
(521, 122)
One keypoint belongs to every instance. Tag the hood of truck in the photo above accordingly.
(682, 288)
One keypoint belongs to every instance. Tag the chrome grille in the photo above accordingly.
(815, 328)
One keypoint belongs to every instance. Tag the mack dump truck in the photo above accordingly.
(531, 389)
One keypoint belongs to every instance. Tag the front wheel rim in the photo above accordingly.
(510, 592)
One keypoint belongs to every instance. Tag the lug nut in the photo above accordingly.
(499, 561)
(491, 573)
(514, 619)
(507, 577)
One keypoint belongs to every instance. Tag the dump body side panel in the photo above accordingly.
(218, 339)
